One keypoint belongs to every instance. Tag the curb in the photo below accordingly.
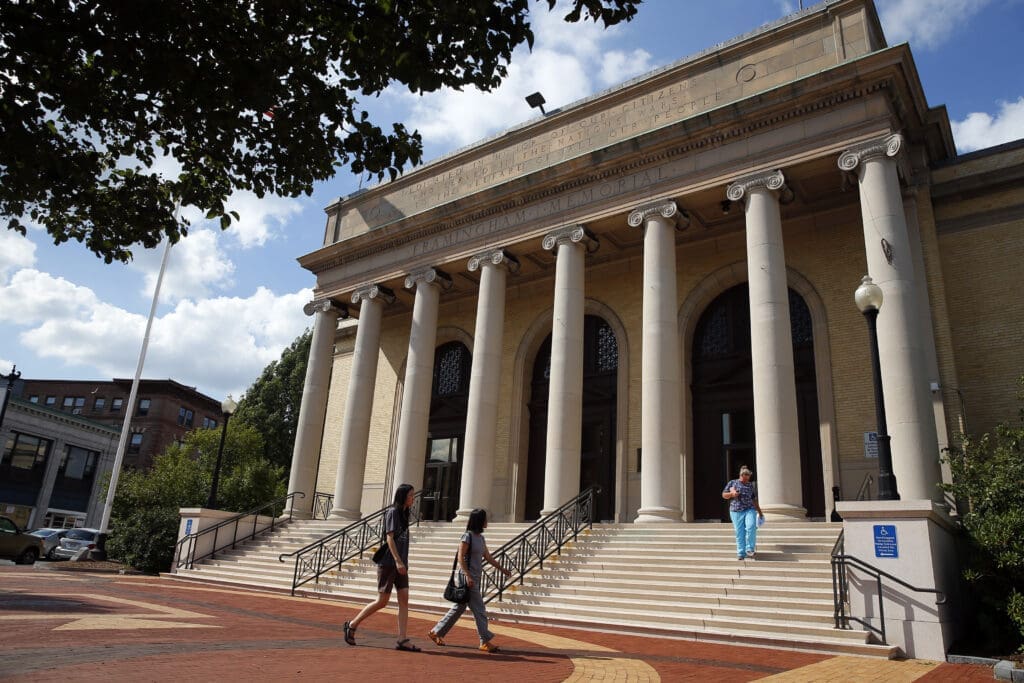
(1005, 671)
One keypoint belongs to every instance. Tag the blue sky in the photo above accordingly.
(231, 301)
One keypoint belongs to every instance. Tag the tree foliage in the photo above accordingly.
(987, 475)
(271, 404)
(258, 95)
(145, 519)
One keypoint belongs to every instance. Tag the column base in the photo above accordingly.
(462, 516)
(301, 514)
(658, 514)
(351, 515)
(783, 512)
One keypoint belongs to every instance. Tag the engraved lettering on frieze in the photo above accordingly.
(773, 180)
(497, 257)
(889, 147)
(373, 292)
(428, 276)
(666, 209)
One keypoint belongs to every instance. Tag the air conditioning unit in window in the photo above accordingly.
(76, 411)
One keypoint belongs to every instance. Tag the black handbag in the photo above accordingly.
(380, 553)
(453, 592)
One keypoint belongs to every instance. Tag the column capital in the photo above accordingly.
(771, 180)
(571, 234)
(888, 146)
(373, 291)
(667, 209)
(325, 306)
(497, 257)
(428, 276)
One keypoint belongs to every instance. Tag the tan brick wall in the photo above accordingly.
(983, 283)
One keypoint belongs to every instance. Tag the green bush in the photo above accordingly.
(145, 518)
(988, 486)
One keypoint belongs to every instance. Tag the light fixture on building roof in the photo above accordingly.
(536, 101)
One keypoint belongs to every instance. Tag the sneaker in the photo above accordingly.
(438, 640)
(750, 553)
(741, 557)
(489, 646)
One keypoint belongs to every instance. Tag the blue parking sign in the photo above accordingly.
(885, 541)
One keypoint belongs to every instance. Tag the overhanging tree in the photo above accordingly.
(258, 95)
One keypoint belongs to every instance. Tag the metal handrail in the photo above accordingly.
(188, 559)
(328, 553)
(841, 589)
(865, 487)
(540, 541)
(322, 503)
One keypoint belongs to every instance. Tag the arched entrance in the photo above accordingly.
(446, 432)
(723, 401)
(597, 461)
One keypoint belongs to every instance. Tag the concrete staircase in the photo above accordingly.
(679, 580)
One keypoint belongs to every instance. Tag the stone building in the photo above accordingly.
(650, 287)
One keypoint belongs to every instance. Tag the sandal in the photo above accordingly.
(489, 646)
(438, 640)
(406, 646)
(350, 634)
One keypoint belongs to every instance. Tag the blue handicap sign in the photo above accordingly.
(885, 541)
(188, 526)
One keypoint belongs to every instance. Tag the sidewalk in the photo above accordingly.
(60, 626)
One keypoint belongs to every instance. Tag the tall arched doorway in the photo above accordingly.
(597, 457)
(446, 432)
(723, 401)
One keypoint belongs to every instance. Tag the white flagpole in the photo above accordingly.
(129, 412)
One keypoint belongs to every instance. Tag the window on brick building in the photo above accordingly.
(144, 404)
(99, 404)
(185, 417)
(115, 405)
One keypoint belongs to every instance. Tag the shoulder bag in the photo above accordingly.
(457, 592)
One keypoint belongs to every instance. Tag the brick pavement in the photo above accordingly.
(105, 627)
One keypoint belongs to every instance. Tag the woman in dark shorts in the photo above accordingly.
(393, 571)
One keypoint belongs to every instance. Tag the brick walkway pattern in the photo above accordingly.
(60, 626)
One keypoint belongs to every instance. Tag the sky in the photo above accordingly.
(231, 301)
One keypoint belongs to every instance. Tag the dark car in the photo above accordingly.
(17, 545)
(77, 540)
(51, 537)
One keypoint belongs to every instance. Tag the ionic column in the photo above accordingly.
(776, 432)
(355, 426)
(419, 375)
(660, 432)
(905, 384)
(313, 408)
(482, 412)
(565, 395)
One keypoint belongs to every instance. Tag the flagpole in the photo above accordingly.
(115, 474)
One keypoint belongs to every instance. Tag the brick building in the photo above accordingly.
(60, 437)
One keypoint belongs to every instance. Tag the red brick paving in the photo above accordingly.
(264, 636)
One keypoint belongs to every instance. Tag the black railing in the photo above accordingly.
(543, 539)
(841, 589)
(322, 505)
(186, 551)
(328, 553)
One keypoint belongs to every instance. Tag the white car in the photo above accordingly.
(77, 540)
(51, 538)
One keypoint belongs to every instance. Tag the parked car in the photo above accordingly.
(77, 540)
(18, 545)
(51, 537)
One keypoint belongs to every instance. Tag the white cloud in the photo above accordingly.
(196, 266)
(6, 366)
(925, 24)
(260, 219)
(979, 130)
(16, 252)
(618, 66)
(219, 345)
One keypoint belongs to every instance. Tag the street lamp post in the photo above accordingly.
(869, 300)
(227, 407)
(12, 377)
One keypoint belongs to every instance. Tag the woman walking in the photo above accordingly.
(744, 511)
(472, 552)
(393, 571)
